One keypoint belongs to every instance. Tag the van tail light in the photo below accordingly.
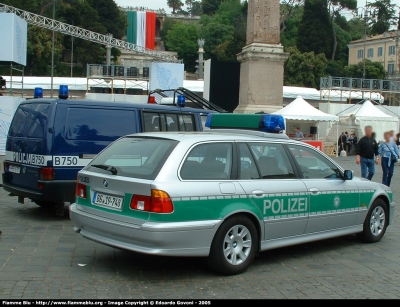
(47, 173)
(152, 100)
(80, 190)
(158, 202)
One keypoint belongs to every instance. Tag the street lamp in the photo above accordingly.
(201, 42)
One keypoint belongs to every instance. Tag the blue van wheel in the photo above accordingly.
(45, 204)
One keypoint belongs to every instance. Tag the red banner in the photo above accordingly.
(150, 29)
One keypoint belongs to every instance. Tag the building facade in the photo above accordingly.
(381, 48)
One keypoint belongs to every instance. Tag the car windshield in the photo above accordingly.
(133, 157)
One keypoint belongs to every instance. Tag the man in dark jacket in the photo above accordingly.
(367, 154)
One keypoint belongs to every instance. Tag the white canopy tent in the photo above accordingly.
(367, 114)
(300, 110)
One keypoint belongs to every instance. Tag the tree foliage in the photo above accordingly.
(373, 70)
(315, 30)
(182, 38)
(210, 7)
(175, 5)
(385, 12)
(304, 69)
(225, 32)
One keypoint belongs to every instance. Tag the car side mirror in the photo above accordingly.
(348, 175)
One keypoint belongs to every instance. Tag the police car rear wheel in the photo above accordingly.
(375, 223)
(234, 246)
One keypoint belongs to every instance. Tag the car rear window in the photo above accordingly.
(134, 157)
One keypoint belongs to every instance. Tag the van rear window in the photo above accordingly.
(18, 123)
(99, 124)
(131, 157)
(30, 120)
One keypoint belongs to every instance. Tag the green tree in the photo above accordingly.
(175, 5)
(385, 16)
(289, 28)
(225, 32)
(182, 38)
(335, 8)
(195, 8)
(287, 10)
(210, 7)
(373, 70)
(168, 23)
(304, 69)
(315, 30)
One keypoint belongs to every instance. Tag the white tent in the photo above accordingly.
(299, 109)
(369, 115)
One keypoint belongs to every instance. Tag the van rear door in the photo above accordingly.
(27, 149)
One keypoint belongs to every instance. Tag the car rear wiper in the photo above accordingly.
(108, 168)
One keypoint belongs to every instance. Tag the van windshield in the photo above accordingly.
(133, 157)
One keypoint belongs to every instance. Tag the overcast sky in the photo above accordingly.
(156, 4)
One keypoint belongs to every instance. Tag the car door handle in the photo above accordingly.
(259, 193)
(314, 191)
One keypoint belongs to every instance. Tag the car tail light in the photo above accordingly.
(46, 173)
(152, 100)
(158, 202)
(80, 190)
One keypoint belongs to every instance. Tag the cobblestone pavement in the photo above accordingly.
(41, 257)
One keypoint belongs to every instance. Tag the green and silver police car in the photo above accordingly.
(224, 195)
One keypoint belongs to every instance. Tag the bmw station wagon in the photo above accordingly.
(224, 195)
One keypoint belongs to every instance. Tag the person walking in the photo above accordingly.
(389, 154)
(342, 142)
(367, 154)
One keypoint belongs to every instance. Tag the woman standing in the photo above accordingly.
(389, 154)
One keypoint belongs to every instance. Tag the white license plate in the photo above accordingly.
(108, 201)
(14, 169)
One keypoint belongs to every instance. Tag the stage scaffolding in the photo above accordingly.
(332, 88)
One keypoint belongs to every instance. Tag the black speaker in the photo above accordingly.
(313, 130)
(119, 71)
(146, 72)
(132, 72)
(106, 70)
(134, 91)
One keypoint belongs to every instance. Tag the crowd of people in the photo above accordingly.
(370, 153)
(348, 142)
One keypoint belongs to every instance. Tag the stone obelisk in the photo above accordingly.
(262, 59)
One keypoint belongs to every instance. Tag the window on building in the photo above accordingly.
(370, 53)
(390, 68)
(380, 51)
(392, 50)
(360, 53)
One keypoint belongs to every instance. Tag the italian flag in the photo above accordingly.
(141, 28)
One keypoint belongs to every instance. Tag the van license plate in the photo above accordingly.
(107, 200)
(14, 169)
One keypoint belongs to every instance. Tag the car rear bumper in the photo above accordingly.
(168, 239)
(53, 191)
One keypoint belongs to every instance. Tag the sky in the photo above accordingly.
(156, 4)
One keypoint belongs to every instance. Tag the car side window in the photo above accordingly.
(157, 121)
(272, 161)
(312, 164)
(211, 161)
(248, 168)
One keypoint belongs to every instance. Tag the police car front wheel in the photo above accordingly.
(234, 246)
(375, 223)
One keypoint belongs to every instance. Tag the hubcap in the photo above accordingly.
(377, 221)
(237, 244)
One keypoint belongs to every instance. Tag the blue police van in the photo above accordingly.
(50, 140)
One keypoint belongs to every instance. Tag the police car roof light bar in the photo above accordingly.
(259, 122)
